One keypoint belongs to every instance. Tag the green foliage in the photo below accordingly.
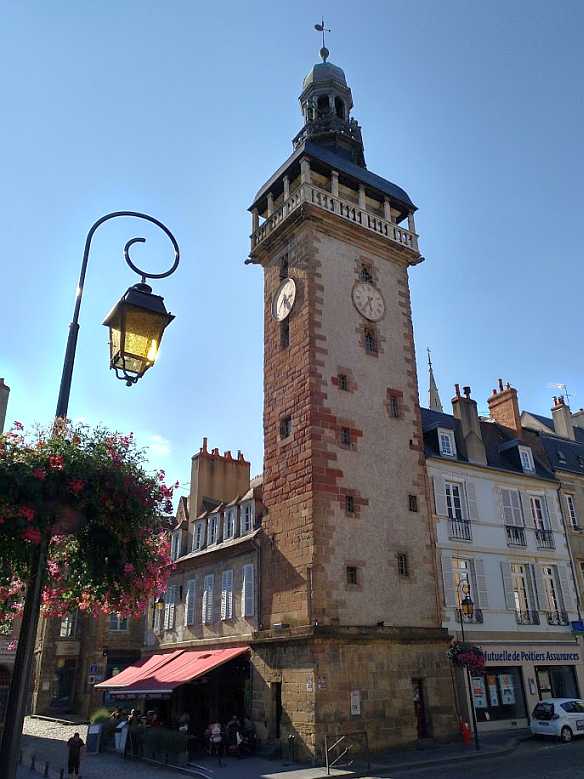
(100, 716)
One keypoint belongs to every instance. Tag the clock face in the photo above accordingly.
(368, 301)
(283, 300)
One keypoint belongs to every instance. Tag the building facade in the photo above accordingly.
(501, 538)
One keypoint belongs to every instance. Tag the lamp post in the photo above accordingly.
(466, 609)
(136, 323)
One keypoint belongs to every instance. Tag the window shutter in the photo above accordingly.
(516, 508)
(207, 605)
(500, 498)
(449, 594)
(553, 511)
(157, 620)
(526, 504)
(566, 585)
(172, 606)
(166, 623)
(481, 583)
(227, 595)
(507, 507)
(440, 496)
(531, 587)
(508, 584)
(540, 588)
(471, 497)
(190, 603)
(248, 591)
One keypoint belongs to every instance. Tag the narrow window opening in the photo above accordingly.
(402, 564)
(343, 380)
(349, 504)
(370, 341)
(285, 427)
(351, 574)
(365, 274)
(413, 499)
(284, 268)
(284, 334)
(346, 436)
(394, 410)
(339, 108)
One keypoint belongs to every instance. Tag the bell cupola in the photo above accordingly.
(326, 102)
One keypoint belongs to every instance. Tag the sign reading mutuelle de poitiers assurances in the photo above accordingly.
(512, 655)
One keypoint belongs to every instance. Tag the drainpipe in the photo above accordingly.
(309, 594)
(572, 564)
(259, 581)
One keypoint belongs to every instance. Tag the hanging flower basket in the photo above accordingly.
(465, 655)
(104, 515)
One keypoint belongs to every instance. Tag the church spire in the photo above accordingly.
(435, 402)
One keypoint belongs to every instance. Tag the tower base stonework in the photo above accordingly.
(328, 682)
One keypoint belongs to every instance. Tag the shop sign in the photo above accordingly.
(526, 655)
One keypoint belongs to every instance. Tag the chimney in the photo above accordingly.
(562, 417)
(4, 393)
(504, 407)
(465, 409)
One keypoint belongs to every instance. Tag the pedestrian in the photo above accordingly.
(74, 746)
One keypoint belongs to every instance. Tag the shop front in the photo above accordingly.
(517, 676)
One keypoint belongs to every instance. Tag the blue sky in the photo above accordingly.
(183, 109)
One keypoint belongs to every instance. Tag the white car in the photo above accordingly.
(562, 718)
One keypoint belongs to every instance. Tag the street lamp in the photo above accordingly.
(466, 610)
(136, 324)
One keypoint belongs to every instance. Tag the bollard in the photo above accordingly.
(291, 740)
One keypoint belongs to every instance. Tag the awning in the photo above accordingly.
(182, 666)
(140, 668)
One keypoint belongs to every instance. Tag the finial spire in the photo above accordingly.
(435, 402)
(324, 52)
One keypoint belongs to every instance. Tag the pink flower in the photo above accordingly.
(27, 513)
(56, 461)
(32, 534)
(128, 568)
(76, 486)
(18, 426)
(39, 473)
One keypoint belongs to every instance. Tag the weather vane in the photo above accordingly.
(324, 52)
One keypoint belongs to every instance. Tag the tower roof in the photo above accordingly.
(325, 71)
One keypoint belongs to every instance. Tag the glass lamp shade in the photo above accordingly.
(136, 323)
(467, 606)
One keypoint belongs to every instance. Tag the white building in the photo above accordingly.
(500, 537)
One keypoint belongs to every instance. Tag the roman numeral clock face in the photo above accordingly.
(283, 300)
(368, 301)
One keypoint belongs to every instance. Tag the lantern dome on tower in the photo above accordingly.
(325, 71)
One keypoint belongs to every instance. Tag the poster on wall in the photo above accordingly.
(493, 690)
(479, 692)
(507, 689)
(355, 702)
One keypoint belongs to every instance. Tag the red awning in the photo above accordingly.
(144, 667)
(184, 666)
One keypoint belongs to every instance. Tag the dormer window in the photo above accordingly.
(175, 545)
(246, 518)
(213, 530)
(526, 459)
(561, 457)
(199, 535)
(229, 524)
(446, 442)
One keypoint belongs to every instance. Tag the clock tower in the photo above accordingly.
(351, 637)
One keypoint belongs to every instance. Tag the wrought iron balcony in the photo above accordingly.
(544, 539)
(350, 212)
(557, 618)
(460, 530)
(515, 535)
(526, 617)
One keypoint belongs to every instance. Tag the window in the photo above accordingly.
(454, 500)
(175, 545)
(365, 274)
(370, 341)
(580, 461)
(349, 504)
(461, 579)
(284, 268)
(170, 607)
(212, 530)
(394, 409)
(68, 626)
(526, 459)
(157, 622)
(512, 514)
(343, 380)
(285, 427)
(229, 524)
(446, 442)
(561, 457)
(402, 564)
(227, 595)
(521, 588)
(551, 587)
(117, 623)
(339, 108)
(248, 591)
(190, 602)
(199, 535)
(246, 518)
(207, 601)
(346, 436)
(351, 574)
(413, 502)
(572, 510)
(285, 334)
(537, 512)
